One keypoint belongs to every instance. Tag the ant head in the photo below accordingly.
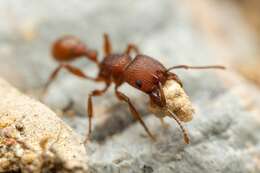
(69, 48)
(145, 73)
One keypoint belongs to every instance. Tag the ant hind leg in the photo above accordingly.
(73, 70)
(51, 79)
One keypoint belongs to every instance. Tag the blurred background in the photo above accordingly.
(193, 32)
(228, 29)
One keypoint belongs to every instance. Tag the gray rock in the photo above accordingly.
(223, 139)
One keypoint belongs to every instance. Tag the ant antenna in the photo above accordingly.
(185, 134)
(186, 67)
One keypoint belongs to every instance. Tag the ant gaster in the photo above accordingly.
(142, 72)
(67, 49)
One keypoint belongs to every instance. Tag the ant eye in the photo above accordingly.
(138, 83)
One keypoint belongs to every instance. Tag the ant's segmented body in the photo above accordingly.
(142, 72)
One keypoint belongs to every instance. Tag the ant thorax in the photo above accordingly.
(177, 102)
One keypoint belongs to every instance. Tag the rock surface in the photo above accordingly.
(31, 134)
(221, 140)
(225, 127)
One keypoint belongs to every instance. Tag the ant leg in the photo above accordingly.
(158, 96)
(90, 106)
(197, 67)
(132, 47)
(162, 95)
(77, 72)
(134, 112)
(185, 133)
(107, 45)
(74, 70)
(51, 78)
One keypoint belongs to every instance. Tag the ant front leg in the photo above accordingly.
(135, 114)
(162, 95)
(73, 70)
(90, 106)
(158, 96)
(132, 47)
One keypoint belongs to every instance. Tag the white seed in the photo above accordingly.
(177, 102)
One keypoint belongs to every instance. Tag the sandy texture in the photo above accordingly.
(32, 128)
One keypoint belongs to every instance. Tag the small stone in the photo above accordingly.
(177, 102)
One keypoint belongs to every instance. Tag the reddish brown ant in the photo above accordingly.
(143, 73)
(67, 49)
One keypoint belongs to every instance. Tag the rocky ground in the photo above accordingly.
(224, 130)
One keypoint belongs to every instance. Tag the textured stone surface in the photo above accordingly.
(224, 130)
(37, 128)
(221, 140)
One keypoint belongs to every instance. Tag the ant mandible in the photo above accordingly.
(142, 72)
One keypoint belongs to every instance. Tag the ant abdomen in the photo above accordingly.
(69, 48)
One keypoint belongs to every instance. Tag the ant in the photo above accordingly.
(66, 49)
(142, 72)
